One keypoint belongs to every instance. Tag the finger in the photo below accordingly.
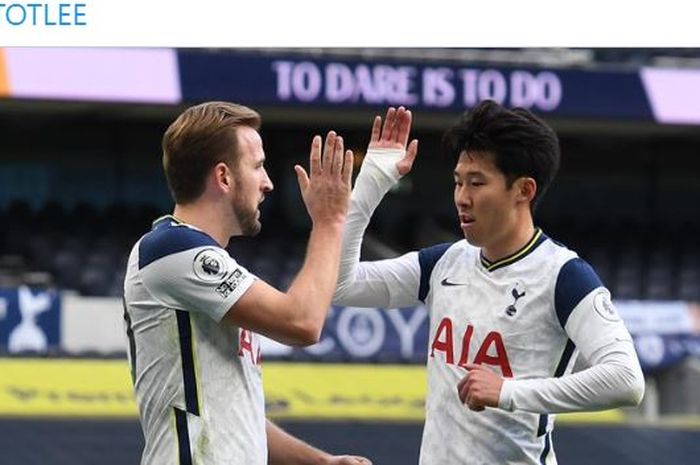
(406, 163)
(404, 127)
(376, 129)
(315, 156)
(328, 149)
(302, 178)
(462, 382)
(361, 460)
(472, 367)
(348, 165)
(338, 156)
(400, 114)
(388, 123)
(464, 393)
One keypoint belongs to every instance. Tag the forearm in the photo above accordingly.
(615, 380)
(377, 176)
(313, 287)
(284, 449)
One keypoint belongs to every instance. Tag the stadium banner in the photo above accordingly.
(665, 333)
(102, 388)
(29, 320)
(294, 80)
(667, 96)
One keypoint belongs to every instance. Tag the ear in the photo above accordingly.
(222, 176)
(526, 188)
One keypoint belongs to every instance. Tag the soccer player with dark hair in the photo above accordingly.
(193, 314)
(510, 308)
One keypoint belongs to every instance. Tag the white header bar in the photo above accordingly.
(357, 23)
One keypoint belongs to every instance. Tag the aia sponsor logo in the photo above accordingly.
(492, 350)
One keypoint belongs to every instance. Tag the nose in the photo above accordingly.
(462, 197)
(267, 183)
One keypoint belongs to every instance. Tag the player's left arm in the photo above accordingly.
(285, 449)
(586, 313)
(385, 283)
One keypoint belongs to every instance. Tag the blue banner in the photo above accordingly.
(657, 352)
(663, 334)
(353, 334)
(29, 320)
(297, 80)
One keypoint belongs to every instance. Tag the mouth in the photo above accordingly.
(466, 221)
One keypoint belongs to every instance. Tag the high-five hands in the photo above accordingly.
(326, 190)
(394, 135)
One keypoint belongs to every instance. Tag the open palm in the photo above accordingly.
(394, 135)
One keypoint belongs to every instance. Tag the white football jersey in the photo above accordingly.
(502, 315)
(197, 380)
(523, 317)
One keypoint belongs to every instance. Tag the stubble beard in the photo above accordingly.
(247, 218)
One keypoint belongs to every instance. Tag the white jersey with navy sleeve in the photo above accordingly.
(511, 316)
(197, 380)
(526, 316)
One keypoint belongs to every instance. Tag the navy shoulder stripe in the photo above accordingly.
(427, 258)
(168, 240)
(575, 281)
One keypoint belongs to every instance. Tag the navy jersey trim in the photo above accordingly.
(558, 373)
(166, 239)
(189, 377)
(427, 258)
(132, 343)
(575, 281)
(537, 238)
(565, 358)
(183, 437)
(547, 448)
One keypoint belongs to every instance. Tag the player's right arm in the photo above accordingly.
(296, 317)
(384, 283)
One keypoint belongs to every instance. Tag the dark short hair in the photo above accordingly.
(201, 137)
(521, 144)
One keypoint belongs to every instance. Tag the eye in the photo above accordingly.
(477, 183)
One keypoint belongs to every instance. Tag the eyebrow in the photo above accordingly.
(469, 174)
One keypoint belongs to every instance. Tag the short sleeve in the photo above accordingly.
(185, 269)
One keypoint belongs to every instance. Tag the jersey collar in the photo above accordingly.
(166, 219)
(537, 238)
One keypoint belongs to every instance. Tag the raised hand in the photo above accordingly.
(480, 388)
(394, 135)
(326, 191)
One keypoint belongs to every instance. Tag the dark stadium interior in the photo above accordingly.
(91, 184)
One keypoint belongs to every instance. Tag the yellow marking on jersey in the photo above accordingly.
(512, 258)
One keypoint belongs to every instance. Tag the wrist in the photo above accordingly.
(324, 458)
(332, 223)
(505, 397)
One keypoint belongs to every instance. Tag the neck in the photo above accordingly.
(209, 218)
(510, 243)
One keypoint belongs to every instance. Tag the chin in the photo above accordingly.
(252, 229)
(473, 239)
